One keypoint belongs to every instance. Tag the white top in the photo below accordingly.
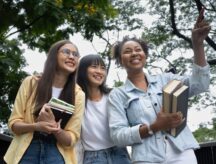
(95, 129)
(56, 92)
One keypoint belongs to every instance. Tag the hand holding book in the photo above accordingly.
(166, 121)
(46, 114)
(61, 110)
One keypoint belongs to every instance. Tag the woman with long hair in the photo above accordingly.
(95, 137)
(38, 138)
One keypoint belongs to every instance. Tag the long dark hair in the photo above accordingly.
(82, 77)
(44, 88)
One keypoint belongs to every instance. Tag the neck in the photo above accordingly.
(60, 80)
(94, 94)
(139, 80)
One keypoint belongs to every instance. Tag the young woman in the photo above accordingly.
(95, 137)
(38, 138)
(135, 109)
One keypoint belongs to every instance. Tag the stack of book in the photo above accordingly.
(175, 99)
(61, 110)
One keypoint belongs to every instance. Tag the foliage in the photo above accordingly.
(40, 23)
(11, 63)
(127, 19)
(204, 134)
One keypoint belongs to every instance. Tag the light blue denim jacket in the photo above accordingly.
(129, 107)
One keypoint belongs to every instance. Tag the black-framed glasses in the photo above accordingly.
(68, 52)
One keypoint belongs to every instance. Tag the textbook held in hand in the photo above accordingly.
(61, 110)
(175, 98)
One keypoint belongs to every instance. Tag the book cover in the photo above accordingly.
(180, 103)
(168, 90)
(61, 110)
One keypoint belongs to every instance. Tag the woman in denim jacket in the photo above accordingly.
(136, 116)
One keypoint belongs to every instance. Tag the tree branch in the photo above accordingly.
(208, 40)
(173, 24)
(26, 26)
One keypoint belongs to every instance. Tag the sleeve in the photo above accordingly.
(19, 108)
(198, 81)
(74, 124)
(120, 131)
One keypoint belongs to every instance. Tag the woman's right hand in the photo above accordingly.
(47, 127)
(167, 121)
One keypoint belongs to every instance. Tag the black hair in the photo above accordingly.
(82, 78)
(117, 47)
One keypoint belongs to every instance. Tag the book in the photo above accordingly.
(180, 103)
(175, 98)
(61, 110)
(168, 90)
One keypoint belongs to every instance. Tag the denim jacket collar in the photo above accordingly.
(129, 86)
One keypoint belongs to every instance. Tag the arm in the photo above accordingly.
(120, 131)
(199, 33)
(71, 133)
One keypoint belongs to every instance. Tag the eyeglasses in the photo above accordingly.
(68, 52)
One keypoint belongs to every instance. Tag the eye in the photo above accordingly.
(103, 67)
(127, 51)
(76, 54)
(94, 66)
(66, 51)
(138, 49)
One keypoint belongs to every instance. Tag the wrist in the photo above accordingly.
(56, 133)
(35, 127)
(154, 127)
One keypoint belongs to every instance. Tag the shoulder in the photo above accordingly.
(118, 93)
(78, 90)
(31, 79)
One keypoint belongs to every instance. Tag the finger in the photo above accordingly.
(200, 18)
(162, 110)
(201, 14)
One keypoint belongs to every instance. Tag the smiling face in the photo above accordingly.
(133, 58)
(96, 74)
(67, 59)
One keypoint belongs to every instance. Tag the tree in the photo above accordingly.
(40, 23)
(204, 134)
(171, 30)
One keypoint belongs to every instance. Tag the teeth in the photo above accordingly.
(135, 61)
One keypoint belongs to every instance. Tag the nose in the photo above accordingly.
(99, 70)
(133, 53)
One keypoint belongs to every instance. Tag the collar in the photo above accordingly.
(129, 86)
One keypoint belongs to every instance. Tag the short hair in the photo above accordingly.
(117, 47)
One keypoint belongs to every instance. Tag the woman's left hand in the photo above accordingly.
(46, 114)
(201, 29)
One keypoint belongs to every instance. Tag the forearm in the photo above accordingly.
(199, 54)
(22, 127)
(63, 137)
